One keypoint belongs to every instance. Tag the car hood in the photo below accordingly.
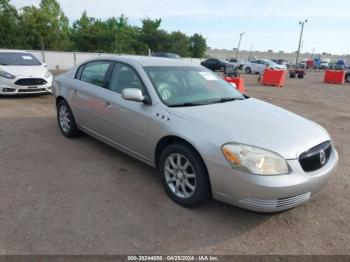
(28, 71)
(257, 123)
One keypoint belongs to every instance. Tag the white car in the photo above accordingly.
(258, 66)
(238, 63)
(22, 73)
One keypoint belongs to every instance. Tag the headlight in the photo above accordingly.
(254, 160)
(7, 75)
(48, 74)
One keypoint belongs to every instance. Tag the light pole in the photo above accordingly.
(239, 43)
(251, 52)
(301, 23)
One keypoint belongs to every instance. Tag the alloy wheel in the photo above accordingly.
(180, 175)
(64, 118)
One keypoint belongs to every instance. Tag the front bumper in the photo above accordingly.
(269, 193)
(8, 87)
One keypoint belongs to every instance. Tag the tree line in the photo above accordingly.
(47, 27)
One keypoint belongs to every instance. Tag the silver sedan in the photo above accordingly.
(204, 138)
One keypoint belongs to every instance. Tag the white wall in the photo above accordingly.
(57, 60)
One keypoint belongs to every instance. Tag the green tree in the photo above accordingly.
(93, 35)
(126, 37)
(198, 46)
(45, 27)
(9, 27)
(152, 36)
(178, 43)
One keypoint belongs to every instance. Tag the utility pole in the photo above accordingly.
(116, 42)
(301, 23)
(239, 43)
(251, 52)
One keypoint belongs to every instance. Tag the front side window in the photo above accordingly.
(187, 86)
(18, 59)
(95, 72)
(124, 76)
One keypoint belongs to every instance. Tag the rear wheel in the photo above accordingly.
(248, 70)
(184, 175)
(66, 120)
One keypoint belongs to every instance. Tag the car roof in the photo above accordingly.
(146, 60)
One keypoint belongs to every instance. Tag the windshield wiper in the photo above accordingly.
(221, 100)
(225, 99)
(187, 104)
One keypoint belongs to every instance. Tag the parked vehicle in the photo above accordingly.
(258, 66)
(238, 63)
(166, 55)
(296, 72)
(215, 64)
(280, 62)
(310, 64)
(22, 73)
(203, 136)
(341, 64)
(325, 63)
(347, 76)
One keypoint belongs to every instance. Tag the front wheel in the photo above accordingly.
(184, 175)
(66, 120)
(248, 70)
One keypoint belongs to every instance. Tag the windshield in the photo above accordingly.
(189, 86)
(270, 62)
(18, 59)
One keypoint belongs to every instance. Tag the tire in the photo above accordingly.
(248, 70)
(189, 187)
(65, 120)
(300, 76)
(292, 75)
(347, 78)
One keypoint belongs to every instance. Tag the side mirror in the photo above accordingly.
(134, 94)
(44, 64)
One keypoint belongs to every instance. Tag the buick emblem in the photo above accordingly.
(323, 157)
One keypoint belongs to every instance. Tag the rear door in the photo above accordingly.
(85, 100)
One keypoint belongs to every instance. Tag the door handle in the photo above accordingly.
(108, 105)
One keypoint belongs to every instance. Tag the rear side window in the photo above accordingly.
(94, 72)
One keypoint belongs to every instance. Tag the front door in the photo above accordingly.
(126, 123)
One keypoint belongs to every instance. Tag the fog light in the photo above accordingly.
(8, 90)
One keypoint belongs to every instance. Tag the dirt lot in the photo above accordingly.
(61, 196)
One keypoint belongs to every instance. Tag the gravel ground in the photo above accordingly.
(63, 196)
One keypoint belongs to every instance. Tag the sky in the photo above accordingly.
(267, 24)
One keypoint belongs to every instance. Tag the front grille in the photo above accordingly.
(313, 159)
(31, 82)
(30, 90)
(276, 204)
